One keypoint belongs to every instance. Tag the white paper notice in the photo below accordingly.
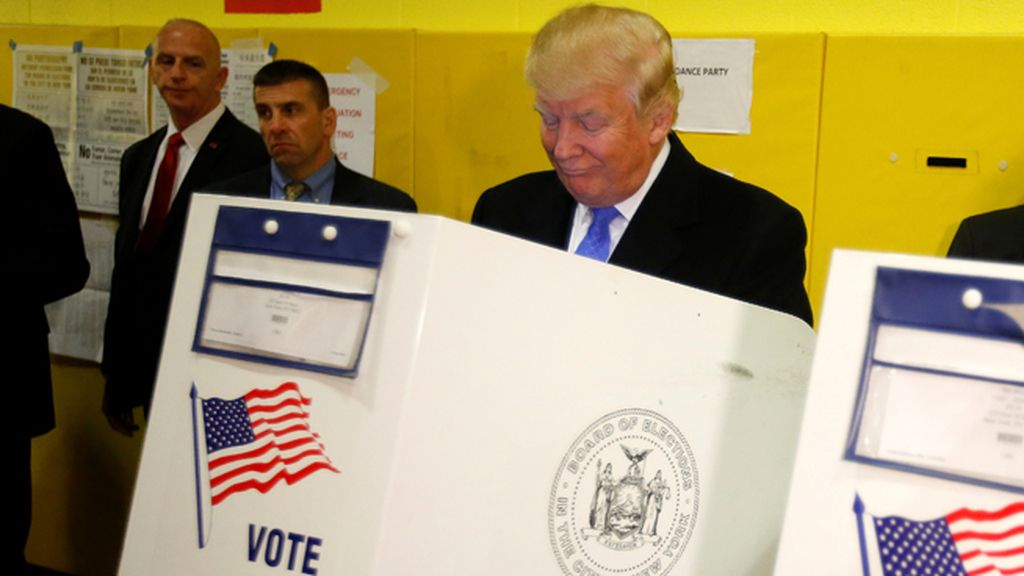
(111, 115)
(76, 322)
(243, 63)
(159, 115)
(44, 82)
(355, 99)
(717, 80)
(961, 425)
(95, 103)
(294, 326)
(950, 352)
(330, 276)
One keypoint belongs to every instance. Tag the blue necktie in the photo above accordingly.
(598, 241)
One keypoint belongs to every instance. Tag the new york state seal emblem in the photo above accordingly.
(625, 498)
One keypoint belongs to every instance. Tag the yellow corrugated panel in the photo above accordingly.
(891, 103)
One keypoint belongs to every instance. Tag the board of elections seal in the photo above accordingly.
(625, 498)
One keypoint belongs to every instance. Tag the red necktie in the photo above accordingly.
(161, 201)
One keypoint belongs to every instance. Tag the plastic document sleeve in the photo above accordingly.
(291, 289)
(942, 387)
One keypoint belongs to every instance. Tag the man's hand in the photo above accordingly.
(121, 420)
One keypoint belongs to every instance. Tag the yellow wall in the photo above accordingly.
(887, 104)
(831, 16)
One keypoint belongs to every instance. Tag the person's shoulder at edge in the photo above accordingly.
(374, 193)
(237, 134)
(763, 234)
(994, 235)
(254, 183)
(526, 193)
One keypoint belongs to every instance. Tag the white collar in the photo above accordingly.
(196, 134)
(629, 206)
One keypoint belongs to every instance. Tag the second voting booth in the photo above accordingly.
(348, 391)
(911, 452)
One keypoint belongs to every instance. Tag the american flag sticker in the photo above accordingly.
(967, 542)
(253, 442)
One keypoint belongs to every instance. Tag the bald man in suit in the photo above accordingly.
(204, 143)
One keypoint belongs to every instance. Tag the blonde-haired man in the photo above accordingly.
(624, 189)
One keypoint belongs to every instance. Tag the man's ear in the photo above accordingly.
(222, 77)
(330, 116)
(662, 116)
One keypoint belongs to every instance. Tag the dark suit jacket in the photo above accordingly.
(696, 226)
(44, 261)
(350, 189)
(140, 292)
(997, 235)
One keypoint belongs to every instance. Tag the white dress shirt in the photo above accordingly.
(627, 208)
(194, 136)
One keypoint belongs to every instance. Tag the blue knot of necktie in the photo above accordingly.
(598, 241)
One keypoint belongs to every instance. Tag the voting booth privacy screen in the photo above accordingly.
(947, 337)
(516, 409)
(911, 452)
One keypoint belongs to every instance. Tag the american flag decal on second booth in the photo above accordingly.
(252, 442)
(965, 542)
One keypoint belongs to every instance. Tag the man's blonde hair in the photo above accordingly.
(591, 45)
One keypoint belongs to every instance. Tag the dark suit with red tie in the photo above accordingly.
(140, 293)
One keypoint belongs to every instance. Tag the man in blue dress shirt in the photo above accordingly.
(297, 123)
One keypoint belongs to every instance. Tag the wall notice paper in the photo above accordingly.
(242, 62)
(95, 103)
(355, 99)
(76, 322)
(717, 80)
(44, 82)
(110, 116)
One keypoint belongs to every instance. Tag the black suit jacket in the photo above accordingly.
(44, 261)
(696, 226)
(350, 189)
(997, 235)
(140, 292)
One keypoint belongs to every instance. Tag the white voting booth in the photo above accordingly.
(911, 453)
(358, 392)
